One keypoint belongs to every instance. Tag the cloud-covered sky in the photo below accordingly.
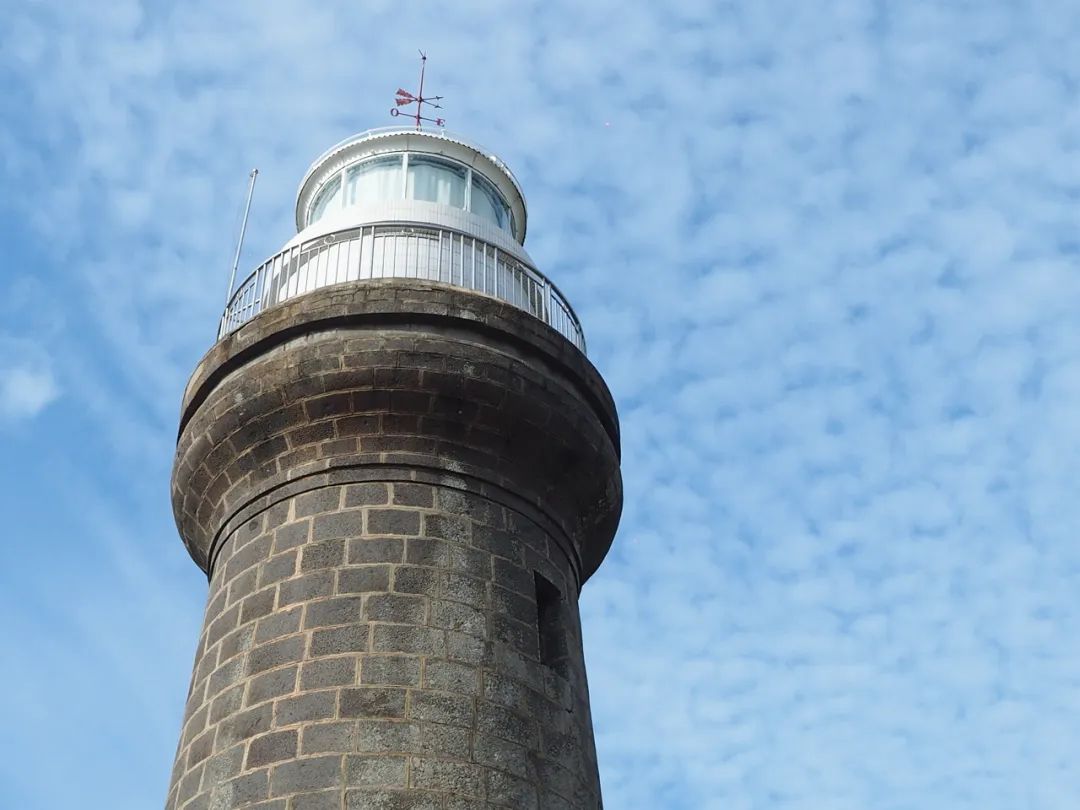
(826, 255)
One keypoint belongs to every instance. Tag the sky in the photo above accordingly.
(825, 255)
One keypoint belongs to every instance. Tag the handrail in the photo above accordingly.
(401, 250)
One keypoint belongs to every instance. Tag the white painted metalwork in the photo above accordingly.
(387, 141)
(448, 182)
(379, 131)
(401, 250)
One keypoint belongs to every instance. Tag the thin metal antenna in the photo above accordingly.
(404, 98)
(243, 230)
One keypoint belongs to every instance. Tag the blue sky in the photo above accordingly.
(825, 254)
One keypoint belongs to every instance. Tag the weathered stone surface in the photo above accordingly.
(374, 500)
(512, 403)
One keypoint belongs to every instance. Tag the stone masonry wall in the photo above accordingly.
(375, 645)
(397, 491)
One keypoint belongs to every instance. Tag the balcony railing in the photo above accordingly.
(401, 251)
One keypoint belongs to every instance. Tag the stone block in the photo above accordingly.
(322, 554)
(439, 707)
(292, 535)
(277, 568)
(337, 610)
(447, 527)
(451, 676)
(387, 735)
(413, 495)
(465, 589)
(367, 494)
(305, 588)
(364, 770)
(271, 685)
(269, 748)
(503, 755)
(226, 703)
(305, 708)
(413, 579)
(258, 605)
(274, 654)
(393, 521)
(273, 804)
(512, 576)
(324, 738)
(373, 702)
(363, 579)
(458, 617)
(376, 799)
(237, 642)
(338, 640)
(401, 638)
(440, 740)
(326, 672)
(317, 502)
(394, 607)
(511, 791)
(242, 585)
(390, 670)
(457, 778)
(376, 550)
(338, 525)
(278, 624)
(494, 720)
(243, 726)
(225, 676)
(427, 551)
(320, 800)
(466, 648)
(305, 775)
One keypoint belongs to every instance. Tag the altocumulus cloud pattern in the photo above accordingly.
(826, 255)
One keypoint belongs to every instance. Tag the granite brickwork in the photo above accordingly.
(396, 490)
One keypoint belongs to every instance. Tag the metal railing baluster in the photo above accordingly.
(303, 268)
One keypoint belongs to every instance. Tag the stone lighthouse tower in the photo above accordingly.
(397, 468)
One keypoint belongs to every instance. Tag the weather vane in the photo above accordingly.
(404, 98)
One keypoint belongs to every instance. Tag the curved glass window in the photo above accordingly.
(435, 181)
(374, 180)
(329, 198)
(428, 178)
(488, 203)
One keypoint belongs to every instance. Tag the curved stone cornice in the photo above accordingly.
(398, 375)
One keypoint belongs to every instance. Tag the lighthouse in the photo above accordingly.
(397, 468)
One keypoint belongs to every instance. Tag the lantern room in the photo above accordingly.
(406, 203)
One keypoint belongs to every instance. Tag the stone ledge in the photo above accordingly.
(398, 373)
(398, 302)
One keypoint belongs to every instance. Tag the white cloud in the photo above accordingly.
(27, 381)
(824, 254)
(25, 391)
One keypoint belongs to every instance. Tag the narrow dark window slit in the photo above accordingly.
(551, 625)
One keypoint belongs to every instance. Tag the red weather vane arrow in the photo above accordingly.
(403, 98)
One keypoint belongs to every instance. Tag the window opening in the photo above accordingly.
(329, 198)
(488, 203)
(435, 181)
(374, 180)
(551, 625)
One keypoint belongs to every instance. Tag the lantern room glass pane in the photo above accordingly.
(374, 180)
(488, 203)
(435, 181)
(328, 199)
